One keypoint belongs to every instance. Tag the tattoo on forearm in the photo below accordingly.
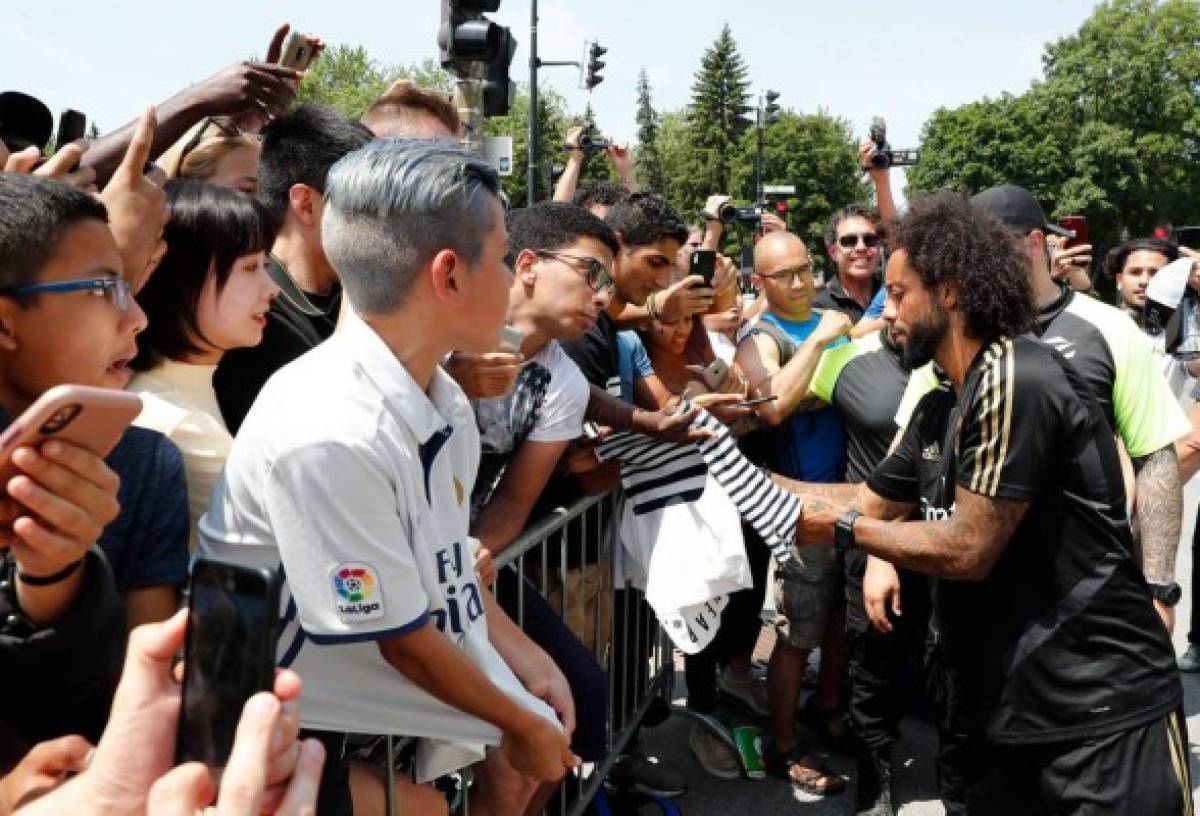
(966, 545)
(1159, 512)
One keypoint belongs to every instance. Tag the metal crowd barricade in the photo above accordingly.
(636, 656)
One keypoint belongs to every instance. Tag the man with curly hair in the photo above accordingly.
(1060, 692)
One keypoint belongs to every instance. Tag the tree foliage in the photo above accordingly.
(347, 78)
(1112, 131)
(552, 129)
(649, 162)
(717, 118)
(814, 152)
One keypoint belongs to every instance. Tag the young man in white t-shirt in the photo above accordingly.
(560, 255)
(353, 471)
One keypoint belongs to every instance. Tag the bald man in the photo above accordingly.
(778, 356)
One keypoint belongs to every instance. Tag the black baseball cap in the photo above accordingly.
(1017, 209)
(24, 121)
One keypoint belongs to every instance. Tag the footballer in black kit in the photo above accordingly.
(1061, 685)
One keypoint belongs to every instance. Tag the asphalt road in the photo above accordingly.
(916, 792)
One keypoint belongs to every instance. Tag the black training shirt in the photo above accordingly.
(1061, 641)
(864, 380)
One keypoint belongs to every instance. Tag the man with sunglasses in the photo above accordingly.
(853, 243)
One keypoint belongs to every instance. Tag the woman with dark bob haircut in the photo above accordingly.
(210, 294)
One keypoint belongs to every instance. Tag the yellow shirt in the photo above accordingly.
(179, 402)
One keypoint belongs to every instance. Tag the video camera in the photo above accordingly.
(746, 216)
(885, 155)
(591, 140)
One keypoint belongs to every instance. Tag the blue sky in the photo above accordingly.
(900, 58)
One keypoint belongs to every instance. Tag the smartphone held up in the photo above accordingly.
(229, 655)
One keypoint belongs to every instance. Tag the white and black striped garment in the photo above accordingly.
(656, 474)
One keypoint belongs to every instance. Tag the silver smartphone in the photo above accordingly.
(511, 337)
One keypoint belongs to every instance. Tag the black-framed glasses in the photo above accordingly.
(869, 239)
(113, 287)
(595, 272)
(786, 275)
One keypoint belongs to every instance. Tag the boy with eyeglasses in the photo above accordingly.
(560, 255)
(66, 316)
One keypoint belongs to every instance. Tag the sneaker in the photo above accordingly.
(750, 691)
(713, 754)
(645, 774)
(1189, 661)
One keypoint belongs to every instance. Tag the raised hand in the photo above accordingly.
(137, 207)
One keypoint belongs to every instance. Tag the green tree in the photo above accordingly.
(552, 129)
(678, 162)
(1112, 131)
(817, 153)
(649, 162)
(347, 78)
(596, 166)
(717, 119)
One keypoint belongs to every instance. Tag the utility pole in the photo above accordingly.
(531, 174)
(767, 115)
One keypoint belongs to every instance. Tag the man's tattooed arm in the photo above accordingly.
(966, 546)
(1159, 513)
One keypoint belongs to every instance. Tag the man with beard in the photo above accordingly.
(1063, 690)
(1131, 266)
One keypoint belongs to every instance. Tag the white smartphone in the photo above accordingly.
(296, 51)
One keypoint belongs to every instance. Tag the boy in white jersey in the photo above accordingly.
(353, 472)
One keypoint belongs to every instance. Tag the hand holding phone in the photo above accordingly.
(704, 264)
(57, 487)
(297, 51)
(1077, 224)
(229, 655)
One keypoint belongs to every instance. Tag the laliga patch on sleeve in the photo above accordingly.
(357, 594)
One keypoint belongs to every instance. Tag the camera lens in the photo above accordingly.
(727, 213)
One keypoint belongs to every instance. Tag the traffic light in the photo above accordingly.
(771, 110)
(594, 65)
(467, 37)
(498, 90)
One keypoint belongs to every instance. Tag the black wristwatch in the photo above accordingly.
(843, 531)
(1166, 594)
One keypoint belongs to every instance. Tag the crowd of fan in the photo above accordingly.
(310, 307)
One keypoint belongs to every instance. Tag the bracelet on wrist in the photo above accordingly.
(49, 580)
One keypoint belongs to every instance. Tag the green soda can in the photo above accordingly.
(750, 749)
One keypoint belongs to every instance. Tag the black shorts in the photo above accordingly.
(1142, 771)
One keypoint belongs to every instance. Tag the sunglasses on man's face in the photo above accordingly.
(869, 239)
